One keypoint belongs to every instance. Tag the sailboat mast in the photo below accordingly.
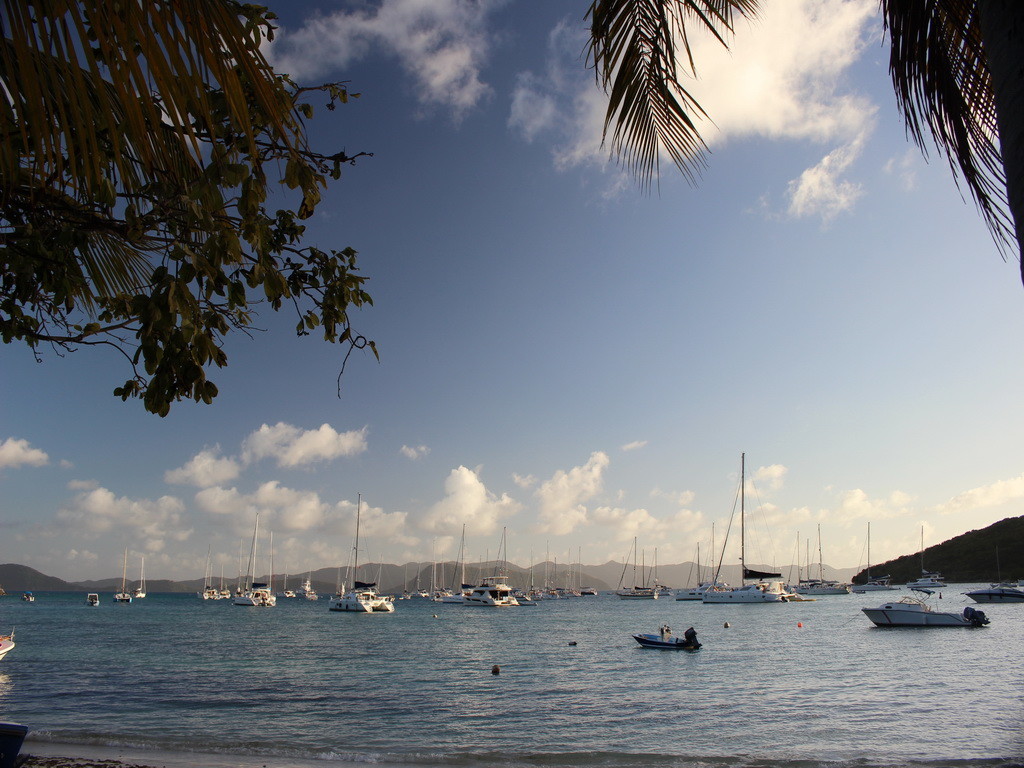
(743, 540)
(355, 547)
(821, 562)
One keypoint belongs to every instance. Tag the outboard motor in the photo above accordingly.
(976, 617)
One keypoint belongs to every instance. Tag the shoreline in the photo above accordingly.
(46, 754)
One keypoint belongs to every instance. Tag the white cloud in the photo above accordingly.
(635, 445)
(468, 501)
(414, 452)
(769, 478)
(220, 501)
(562, 497)
(781, 79)
(293, 447)
(442, 45)
(984, 497)
(147, 522)
(205, 469)
(18, 453)
(524, 481)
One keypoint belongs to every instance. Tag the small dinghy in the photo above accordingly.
(665, 640)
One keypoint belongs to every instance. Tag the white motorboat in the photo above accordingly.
(28, 597)
(253, 593)
(910, 611)
(92, 599)
(997, 593)
(307, 590)
(363, 597)
(6, 644)
(492, 592)
(760, 591)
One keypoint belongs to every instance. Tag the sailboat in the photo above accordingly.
(124, 596)
(140, 591)
(760, 591)
(363, 597)
(697, 592)
(820, 586)
(458, 597)
(638, 591)
(307, 588)
(209, 592)
(929, 579)
(876, 584)
(252, 593)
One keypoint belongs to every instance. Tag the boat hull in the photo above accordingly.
(997, 595)
(670, 644)
(6, 646)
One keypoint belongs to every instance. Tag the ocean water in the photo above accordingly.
(796, 685)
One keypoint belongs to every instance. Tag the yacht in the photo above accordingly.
(697, 593)
(124, 596)
(761, 591)
(912, 611)
(254, 593)
(92, 599)
(363, 597)
(493, 592)
(998, 593)
(307, 590)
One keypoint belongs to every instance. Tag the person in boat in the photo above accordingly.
(690, 637)
(666, 631)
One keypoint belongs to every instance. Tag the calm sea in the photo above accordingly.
(796, 685)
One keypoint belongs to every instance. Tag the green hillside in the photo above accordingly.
(991, 554)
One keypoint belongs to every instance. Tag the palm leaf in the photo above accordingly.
(633, 49)
(944, 90)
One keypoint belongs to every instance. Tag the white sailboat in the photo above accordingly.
(820, 585)
(458, 596)
(876, 584)
(209, 592)
(252, 593)
(124, 596)
(759, 591)
(363, 597)
(140, 591)
(639, 591)
(697, 593)
(929, 579)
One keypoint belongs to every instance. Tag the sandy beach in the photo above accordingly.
(37, 754)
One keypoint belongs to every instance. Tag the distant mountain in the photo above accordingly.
(21, 578)
(986, 555)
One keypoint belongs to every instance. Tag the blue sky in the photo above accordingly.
(560, 353)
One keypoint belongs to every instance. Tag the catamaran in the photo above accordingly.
(638, 591)
(760, 591)
(363, 597)
(254, 593)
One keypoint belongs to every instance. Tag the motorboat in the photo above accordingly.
(911, 611)
(997, 593)
(92, 599)
(6, 644)
(307, 590)
(492, 592)
(28, 597)
(665, 640)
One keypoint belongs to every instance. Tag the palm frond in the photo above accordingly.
(944, 91)
(635, 48)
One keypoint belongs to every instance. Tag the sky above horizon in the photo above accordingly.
(563, 355)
